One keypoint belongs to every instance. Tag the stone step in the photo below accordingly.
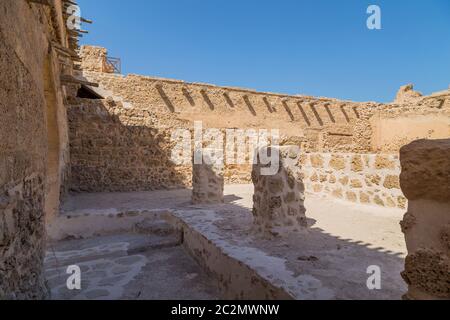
(78, 251)
(158, 227)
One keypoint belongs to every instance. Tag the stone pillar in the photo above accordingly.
(207, 177)
(278, 201)
(425, 181)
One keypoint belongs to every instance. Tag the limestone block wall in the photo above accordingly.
(33, 142)
(325, 123)
(278, 201)
(360, 178)
(114, 148)
(425, 180)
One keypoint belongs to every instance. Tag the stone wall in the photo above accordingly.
(145, 111)
(425, 180)
(323, 122)
(326, 125)
(360, 178)
(114, 148)
(394, 126)
(95, 59)
(33, 142)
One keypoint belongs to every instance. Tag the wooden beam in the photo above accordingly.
(86, 20)
(75, 33)
(70, 2)
(43, 2)
(59, 47)
(65, 78)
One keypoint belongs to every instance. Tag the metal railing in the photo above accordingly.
(115, 64)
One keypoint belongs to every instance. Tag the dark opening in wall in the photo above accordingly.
(87, 93)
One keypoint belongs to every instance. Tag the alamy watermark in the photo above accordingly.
(74, 17)
(374, 280)
(374, 20)
(227, 147)
(74, 280)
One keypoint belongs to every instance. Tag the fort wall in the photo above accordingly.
(123, 142)
(34, 148)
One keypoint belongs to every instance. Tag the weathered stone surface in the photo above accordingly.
(382, 162)
(357, 164)
(351, 196)
(426, 170)
(429, 272)
(33, 142)
(378, 201)
(95, 59)
(407, 94)
(344, 180)
(373, 179)
(316, 161)
(356, 183)
(207, 178)
(278, 200)
(391, 182)
(337, 162)
(364, 198)
(425, 182)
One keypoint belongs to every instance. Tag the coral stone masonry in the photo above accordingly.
(425, 180)
(207, 177)
(278, 201)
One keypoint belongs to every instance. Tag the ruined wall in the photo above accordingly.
(326, 123)
(360, 178)
(425, 180)
(31, 114)
(162, 105)
(95, 59)
(386, 128)
(207, 177)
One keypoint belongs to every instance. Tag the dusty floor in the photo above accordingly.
(127, 266)
(329, 261)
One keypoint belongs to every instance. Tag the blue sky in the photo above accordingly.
(313, 47)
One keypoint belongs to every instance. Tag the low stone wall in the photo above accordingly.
(361, 178)
(425, 179)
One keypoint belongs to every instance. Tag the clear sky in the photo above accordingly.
(312, 47)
